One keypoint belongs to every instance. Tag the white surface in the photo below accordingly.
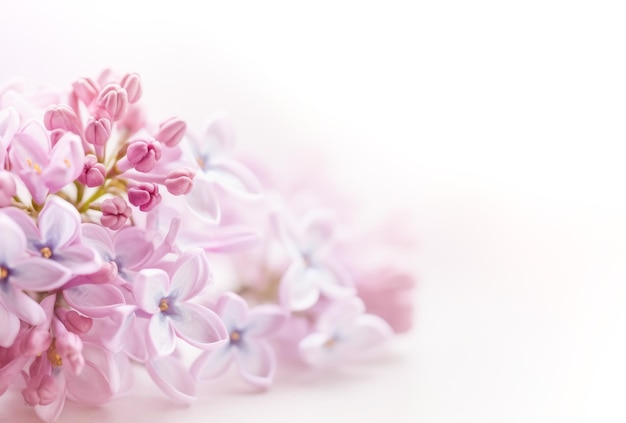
(501, 125)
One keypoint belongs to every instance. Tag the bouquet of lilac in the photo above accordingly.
(125, 242)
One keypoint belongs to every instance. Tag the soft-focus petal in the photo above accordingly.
(50, 413)
(233, 310)
(199, 326)
(131, 245)
(94, 300)
(257, 363)
(191, 275)
(149, 288)
(161, 338)
(39, 274)
(316, 349)
(340, 314)
(12, 241)
(66, 162)
(9, 327)
(316, 231)
(369, 333)
(219, 136)
(59, 222)
(265, 320)
(236, 178)
(93, 385)
(202, 200)
(299, 287)
(173, 378)
(211, 364)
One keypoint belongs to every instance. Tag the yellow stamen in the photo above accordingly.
(67, 163)
(163, 306)
(53, 356)
(200, 162)
(29, 162)
(3, 272)
(330, 343)
(235, 336)
(46, 252)
(37, 168)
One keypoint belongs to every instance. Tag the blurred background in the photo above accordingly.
(498, 127)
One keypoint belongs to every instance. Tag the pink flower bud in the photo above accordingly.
(7, 188)
(93, 174)
(143, 154)
(73, 321)
(35, 341)
(113, 99)
(97, 131)
(180, 181)
(144, 195)
(86, 89)
(115, 212)
(133, 120)
(61, 117)
(171, 131)
(55, 136)
(131, 82)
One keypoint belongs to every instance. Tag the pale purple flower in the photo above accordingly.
(20, 271)
(9, 327)
(343, 334)
(57, 236)
(167, 299)
(41, 167)
(247, 344)
(313, 271)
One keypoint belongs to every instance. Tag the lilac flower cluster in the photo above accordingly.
(112, 228)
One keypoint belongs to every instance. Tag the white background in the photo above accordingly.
(499, 125)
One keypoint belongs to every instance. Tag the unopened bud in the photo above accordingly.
(143, 154)
(144, 195)
(180, 181)
(113, 99)
(131, 82)
(171, 131)
(115, 213)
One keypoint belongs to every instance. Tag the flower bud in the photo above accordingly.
(180, 181)
(55, 136)
(61, 117)
(7, 188)
(144, 195)
(115, 212)
(86, 89)
(93, 174)
(97, 131)
(113, 99)
(73, 321)
(171, 131)
(143, 154)
(131, 82)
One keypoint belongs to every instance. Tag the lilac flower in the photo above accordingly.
(9, 328)
(313, 271)
(41, 167)
(58, 237)
(167, 299)
(216, 168)
(247, 346)
(19, 271)
(343, 334)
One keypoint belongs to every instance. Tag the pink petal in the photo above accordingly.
(199, 326)
(340, 314)
(51, 412)
(257, 363)
(173, 379)
(9, 328)
(130, 244)
(233, 310)
(149, 288)
(299, 287)
(94, 300)
(265, 320)
(12, 241)
(316, 231)
(80, 259)
(59, 222)
(98, 238)
(66, 162)
(334, 281)
(316, 349)
(211, 364)
(219, 136)
(94, 385)
(24, 307)
(202, 200)
(39, 274)
(191, 275)
(368, 333)
(161, 338)
(235, 178)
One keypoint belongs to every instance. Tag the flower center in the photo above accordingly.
(163, 305)
(53, 356)
(34, 166)
(235, 336)
(46, 252)
(4, 272)
(330, 343)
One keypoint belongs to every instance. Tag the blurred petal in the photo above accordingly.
(199, 326)
(265, 320)
(368, 333)
(340, 314)
(173, 378)
(9, 328)
(12, 241)
(93, 385)
(299, 287)
(211, 364)
(219, 136)
(315, 231)
(257, 363)
(317, 349)
(233, 310)
(202, 200)
(59, 222)
(235, 178)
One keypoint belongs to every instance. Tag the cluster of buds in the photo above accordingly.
(111, 226)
